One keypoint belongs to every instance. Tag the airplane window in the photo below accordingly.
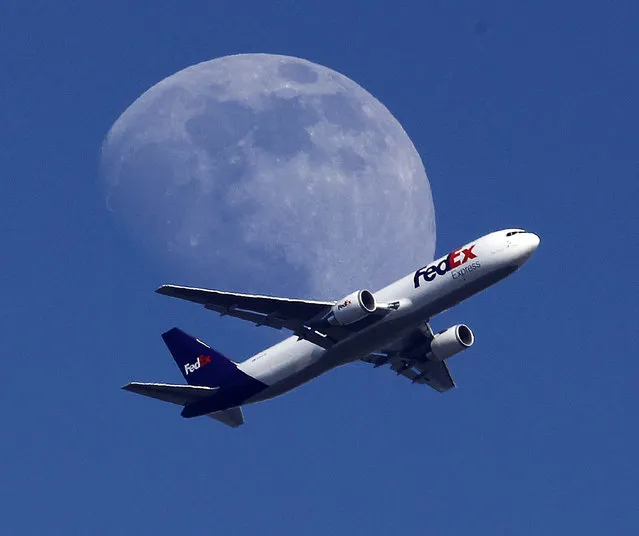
(510, 233)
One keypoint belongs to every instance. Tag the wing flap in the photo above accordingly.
(296, 326)
(436, 375)
(407, 358)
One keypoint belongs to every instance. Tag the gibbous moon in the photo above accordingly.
(270, 174)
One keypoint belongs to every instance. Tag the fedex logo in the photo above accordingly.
(343, 305)
(452, 261)
(199, 362)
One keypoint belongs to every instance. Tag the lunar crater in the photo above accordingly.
(298, 72)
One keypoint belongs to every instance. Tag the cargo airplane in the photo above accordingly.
(388, 327)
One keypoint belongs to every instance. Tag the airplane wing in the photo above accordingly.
(407, 357)
(302, 317)
(435, 374)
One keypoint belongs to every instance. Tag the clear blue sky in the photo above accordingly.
(525, 115)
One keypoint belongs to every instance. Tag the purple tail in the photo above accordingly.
(200, 364)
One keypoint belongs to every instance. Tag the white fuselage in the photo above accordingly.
(421, 295)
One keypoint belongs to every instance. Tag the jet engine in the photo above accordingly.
(451, 341)
(352, 308)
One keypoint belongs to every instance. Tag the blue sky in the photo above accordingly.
(524, 115)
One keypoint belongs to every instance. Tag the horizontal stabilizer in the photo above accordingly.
(232, 417)
(176, 394)
(183, 395)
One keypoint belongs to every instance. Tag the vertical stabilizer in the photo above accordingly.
(199, 363)
(202, 366)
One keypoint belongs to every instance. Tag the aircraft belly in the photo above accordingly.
(282, 360)
(295, 380)
(341, 354)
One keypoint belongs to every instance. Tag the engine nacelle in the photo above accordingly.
(352, 308)
(451, 341)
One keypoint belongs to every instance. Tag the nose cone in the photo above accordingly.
(534, 240)
(530, 243)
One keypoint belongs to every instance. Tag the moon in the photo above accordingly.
(270, 174)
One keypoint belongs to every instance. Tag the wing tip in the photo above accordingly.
(164, 289)
(132, 387)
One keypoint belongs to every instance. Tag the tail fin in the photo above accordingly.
(200, 364)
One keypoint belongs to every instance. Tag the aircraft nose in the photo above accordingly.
(530, 244)
(534, 241)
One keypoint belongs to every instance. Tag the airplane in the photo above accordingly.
(388, 327)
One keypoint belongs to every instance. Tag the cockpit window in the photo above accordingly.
(510, 233)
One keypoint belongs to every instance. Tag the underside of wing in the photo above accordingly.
(228, 302)
(293, 314)
(408, 357)
(305, 318)
(435, 374)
